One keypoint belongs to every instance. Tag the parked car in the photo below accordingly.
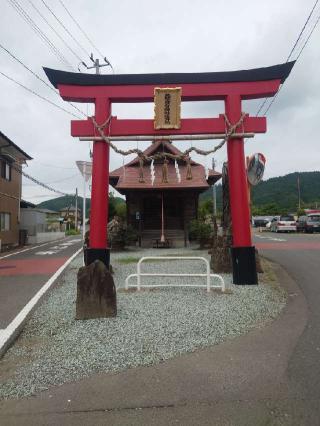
(261, 221)
(309, 223)
(283, 224)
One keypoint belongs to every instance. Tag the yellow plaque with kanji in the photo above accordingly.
(167, 108)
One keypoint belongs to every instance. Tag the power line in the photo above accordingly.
(56, 32)
(65, 28)
(39, 96)
(41, 196)
(39, 32)
(4, 194)
(303, 47)
(80, 28)
(19, 170)
(57, 181)
(306, 42)
(38, 77)
(301, 32)
(55, 167)
(290, 54)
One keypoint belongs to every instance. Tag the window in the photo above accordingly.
(5, 170)
(287, 219)
(5, 221)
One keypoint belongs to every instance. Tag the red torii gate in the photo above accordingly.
(231, 87)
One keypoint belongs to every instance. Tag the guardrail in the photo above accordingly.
(208, 275)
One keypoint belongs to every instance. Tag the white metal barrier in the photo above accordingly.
(139, 274)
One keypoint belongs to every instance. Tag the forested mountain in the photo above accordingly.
(59, 203)
(282, 192)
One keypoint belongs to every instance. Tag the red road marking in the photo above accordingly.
(289, 245)
(31, 266)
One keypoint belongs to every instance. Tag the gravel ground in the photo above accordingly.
(150, 327)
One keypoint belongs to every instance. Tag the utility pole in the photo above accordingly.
(84, 204)
(214, 192)
(96, 64)
(76, 212)
(299, 194)
(85, 168)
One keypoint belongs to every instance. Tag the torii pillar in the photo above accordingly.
(242, 251)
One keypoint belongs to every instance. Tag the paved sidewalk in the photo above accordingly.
(24, 272)
(240, 382)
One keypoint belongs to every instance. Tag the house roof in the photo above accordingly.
(127, 177)
(26, 204)
(47, 211)
(69, 208)
(10, 148)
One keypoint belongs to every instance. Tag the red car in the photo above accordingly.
(309, 223)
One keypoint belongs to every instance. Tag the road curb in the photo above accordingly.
(9, 334)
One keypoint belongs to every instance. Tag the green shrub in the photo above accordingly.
(121, 210)
(72, 232)
(200, 231)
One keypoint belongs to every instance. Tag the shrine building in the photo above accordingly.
(162, 197)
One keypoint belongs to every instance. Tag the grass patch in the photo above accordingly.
(269, 276)
(129, 259)
(133, 259)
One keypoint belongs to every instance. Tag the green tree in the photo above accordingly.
(200, 231)
(121, 210)
(112, 207)
(205, 208)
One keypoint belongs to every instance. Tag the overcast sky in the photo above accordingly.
(147, 36)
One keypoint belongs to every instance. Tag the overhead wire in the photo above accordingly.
(55, 181)
(81, 29)
(39, 96)
(42, 196)
(299, 54)
(290, 55)
(65, 28)
(26, 175)
(302, 31)
(307, 40)
(38, 77)
(18, 8)
(55, 167)
(55, 31)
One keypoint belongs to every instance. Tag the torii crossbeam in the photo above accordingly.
(231, 87)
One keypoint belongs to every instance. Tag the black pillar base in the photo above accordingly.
(92, 254)
(244, 265)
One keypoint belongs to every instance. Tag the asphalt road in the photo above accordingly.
(25, 271)
(299, 254)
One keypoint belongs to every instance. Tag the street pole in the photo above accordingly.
(84, 203)
(214, 192)
(76, 212)
(299, 194)
(85, 169)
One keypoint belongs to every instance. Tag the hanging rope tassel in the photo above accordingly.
(165, 171)
(189, 170)
(124, 169)
(176, 165)
(152, 172)
(141, 177)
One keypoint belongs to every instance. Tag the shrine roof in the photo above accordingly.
(127, 177)
(275, 72)
(159, 146)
